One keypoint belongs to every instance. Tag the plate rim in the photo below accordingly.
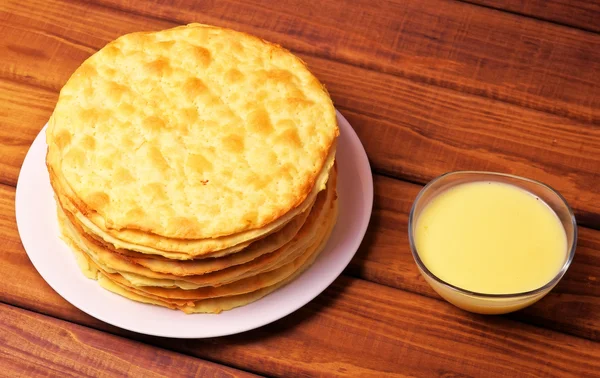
(360, 157)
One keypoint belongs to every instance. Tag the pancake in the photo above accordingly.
(190, 134)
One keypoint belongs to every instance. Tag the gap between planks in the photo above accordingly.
(350, 271)
(530, 16)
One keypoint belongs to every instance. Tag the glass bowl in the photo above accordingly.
(492, 303)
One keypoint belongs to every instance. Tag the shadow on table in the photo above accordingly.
(573, 305)
(291, 327)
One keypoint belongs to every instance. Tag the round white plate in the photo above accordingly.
(38, 227)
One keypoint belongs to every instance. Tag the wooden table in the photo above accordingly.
(430, 86)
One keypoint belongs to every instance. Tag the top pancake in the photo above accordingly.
(195, 132)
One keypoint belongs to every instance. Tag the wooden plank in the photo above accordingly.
(404, 124)
(49, 40)
(447, 43)
(413, 334)
(582, 14)
(384, 258)
(357, 328)
(397, 333)
(24, 110)
(486, 137)
(38, 345)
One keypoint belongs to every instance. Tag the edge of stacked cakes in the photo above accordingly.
(166, 225)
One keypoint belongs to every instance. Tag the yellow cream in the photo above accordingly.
(491, 237)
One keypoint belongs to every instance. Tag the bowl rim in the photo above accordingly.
(543, 288)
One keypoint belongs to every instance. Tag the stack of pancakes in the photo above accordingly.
(193, 167)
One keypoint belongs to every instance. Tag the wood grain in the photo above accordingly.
(357, 328)
(24, 110)
(411, 130)
(430, 86)
(447, 43)
(354, 328)
(399, 331)
(37, 345)
(384, 258)
(583, 14)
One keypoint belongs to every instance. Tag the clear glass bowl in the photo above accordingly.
(492, 303)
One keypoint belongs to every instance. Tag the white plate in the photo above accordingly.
(36, 220)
